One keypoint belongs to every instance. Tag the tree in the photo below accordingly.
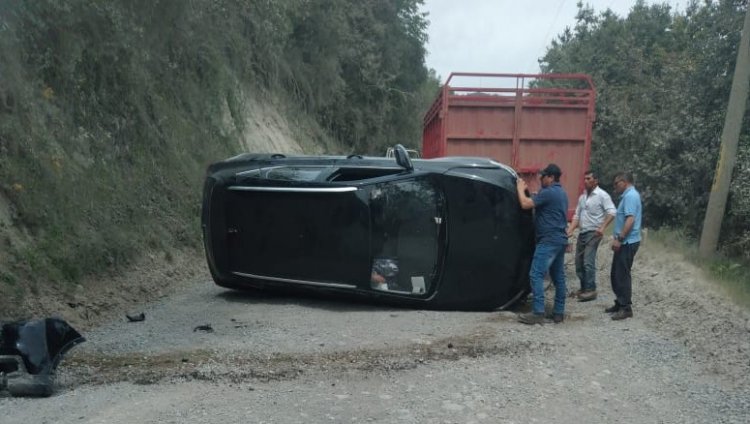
(663, 79)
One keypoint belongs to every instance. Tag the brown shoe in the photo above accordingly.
(531, 318)
(612, 309)
(587, 296)
(623, 313)
(576, 293)
(558, 318)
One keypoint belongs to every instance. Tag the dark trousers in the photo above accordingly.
(622, 283)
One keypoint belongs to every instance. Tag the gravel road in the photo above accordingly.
(683, 358)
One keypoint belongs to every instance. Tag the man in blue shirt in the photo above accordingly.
(627, 239)
(550, 220)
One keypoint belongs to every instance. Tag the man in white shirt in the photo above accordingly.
(593, 214)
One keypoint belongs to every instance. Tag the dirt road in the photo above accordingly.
(213, 356)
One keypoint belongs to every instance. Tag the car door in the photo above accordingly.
(406, 220)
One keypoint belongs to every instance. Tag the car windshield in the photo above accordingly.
(406, 218)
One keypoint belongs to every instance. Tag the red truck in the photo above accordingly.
(522, 120)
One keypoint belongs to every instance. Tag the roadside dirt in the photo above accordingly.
(211, 355)
(677, 300)
(96, 300)
(672, 296)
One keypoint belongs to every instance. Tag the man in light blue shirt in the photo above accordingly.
(627, 239)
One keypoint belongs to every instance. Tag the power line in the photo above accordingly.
(546, 36)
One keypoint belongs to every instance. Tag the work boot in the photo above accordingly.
(622, 314)
(576, 293)
(586, 296)
(531, 318)
(612, 309)
(558, 318)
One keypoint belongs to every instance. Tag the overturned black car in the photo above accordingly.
(442, 233)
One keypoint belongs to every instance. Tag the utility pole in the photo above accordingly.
(730, 136)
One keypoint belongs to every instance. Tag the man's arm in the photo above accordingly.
(576, 216)
(609, 209)
(523, 199)
(573, 225)
(626, 227)
(629, 221)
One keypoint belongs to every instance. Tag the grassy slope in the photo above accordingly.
(68, 214)
(109, 113)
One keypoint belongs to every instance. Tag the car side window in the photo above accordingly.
(405, 222)
(287, 173)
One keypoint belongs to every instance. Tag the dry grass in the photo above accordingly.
(731, 274)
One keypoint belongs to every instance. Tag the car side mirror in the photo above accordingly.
(402, 157)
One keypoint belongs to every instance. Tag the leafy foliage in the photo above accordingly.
(359, 66)
(663, 81)
(110, 110)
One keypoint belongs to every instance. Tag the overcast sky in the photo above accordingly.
(503, 36)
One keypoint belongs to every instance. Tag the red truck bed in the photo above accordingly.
(501, 117)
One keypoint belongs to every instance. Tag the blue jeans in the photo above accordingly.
(548, 257)
(586, 248)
